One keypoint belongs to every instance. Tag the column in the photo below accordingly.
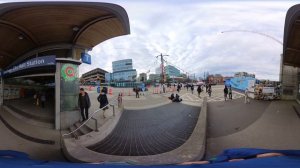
(67, 91)
(1, 90)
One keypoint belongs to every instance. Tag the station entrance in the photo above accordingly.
(31, 96)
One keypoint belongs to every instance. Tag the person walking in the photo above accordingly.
(164, 88)
(225, 92)
(84, 104)
(206, 86)
(102, 99)
(230, 92)
(209, 91)
(247, 99)
(199, 90)
(192, 88)
(178, 88)
(43, 100)
(137, 90)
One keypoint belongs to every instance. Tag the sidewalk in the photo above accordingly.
(277, 128)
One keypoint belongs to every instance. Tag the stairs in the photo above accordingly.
(80, 132)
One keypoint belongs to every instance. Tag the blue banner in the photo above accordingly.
(32, 63)
(86, 58)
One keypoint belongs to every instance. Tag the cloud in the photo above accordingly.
(190, 32)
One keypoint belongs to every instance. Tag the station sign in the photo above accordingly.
(32, 63)
(86, 58)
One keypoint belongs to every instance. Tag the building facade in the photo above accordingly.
(143, 77)
(154, 77)
(172, 71)
(215, 79)
(122, 72)
(244, 74)
(94, 75)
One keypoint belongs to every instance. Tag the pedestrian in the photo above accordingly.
(247, 100)
(230, 92)
(137, 90)
(206, 86)
(178, 88)
(84, 104)
(43, 100)
(199, 90)
(187, 87)
(177, 98)
(102, 99)
(120, 100)
(172, 97)
(192, 88)
(209, 91)
(164, 88)
(225, 92)
(38, 98)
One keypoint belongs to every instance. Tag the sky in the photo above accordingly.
(190, 32)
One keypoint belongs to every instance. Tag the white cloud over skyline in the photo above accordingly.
(190, 32)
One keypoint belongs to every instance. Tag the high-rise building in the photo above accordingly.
(122, 71)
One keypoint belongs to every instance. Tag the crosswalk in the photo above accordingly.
(215, 96)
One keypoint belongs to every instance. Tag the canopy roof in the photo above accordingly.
(30, 28)
(291, 41)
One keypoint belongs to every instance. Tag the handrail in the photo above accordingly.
(88, 119)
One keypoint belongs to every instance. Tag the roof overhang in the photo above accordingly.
(291, 40)
(31, 28)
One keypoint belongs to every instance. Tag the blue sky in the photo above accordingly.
(190, 32)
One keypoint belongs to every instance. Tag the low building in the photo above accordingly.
(172, 71)
(154, 77)
(94, 76)
(215, 79)
(143, 77)
(245, 74)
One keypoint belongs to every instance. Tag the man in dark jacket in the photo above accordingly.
(102, 99)
(225, 92)
(84, 104)
(199, 90)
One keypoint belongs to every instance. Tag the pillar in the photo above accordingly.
(67, 90)
(1, 90)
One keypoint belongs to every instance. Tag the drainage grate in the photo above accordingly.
(151, 131)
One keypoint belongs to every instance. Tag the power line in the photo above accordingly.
(254, 32)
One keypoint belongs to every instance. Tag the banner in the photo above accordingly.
(32, 63)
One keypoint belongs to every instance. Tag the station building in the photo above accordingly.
(290, 60)
(42, 50)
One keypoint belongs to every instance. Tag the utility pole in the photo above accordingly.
(162, 67)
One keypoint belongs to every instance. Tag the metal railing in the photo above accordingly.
(92, 117)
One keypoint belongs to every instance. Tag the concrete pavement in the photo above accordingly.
(271, 125)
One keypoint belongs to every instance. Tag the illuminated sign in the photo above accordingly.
(32, 63)
(69, 72)
(86, 58)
